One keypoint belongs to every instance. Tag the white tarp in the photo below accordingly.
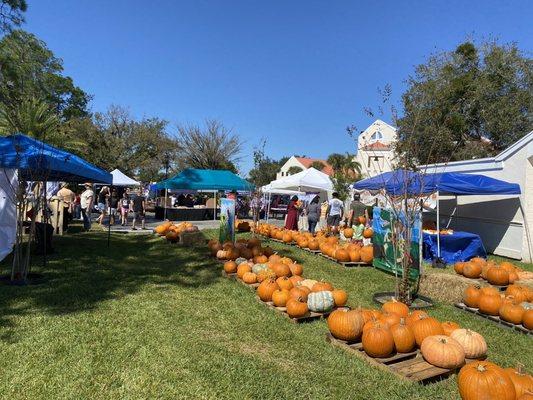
(269, 189)
(310, 180)
(120, 179)
(8, 211)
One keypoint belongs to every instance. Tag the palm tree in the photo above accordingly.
(345, 165)
(319, 165)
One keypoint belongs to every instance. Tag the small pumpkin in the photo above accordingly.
(367, 254)
(281, 269)
(242, 269)
(284, 283)
(472, 270)
(424, 327)
(442, 351)
(490, 304)
(258, 267)
(395, 306)
(485, 380)
(296, 269)
(449, 326)
(320, 301)
(498, 276)
(378, 341)
(266, 289)
(489, 290)
(348, 233)
(298, 293)
(346, 324)
(280, 297)
(471, 296)
(230, 267)
(321, 286)
(296, 279)
(265, 274)
(472, 342)
(249, 278)
(512, 313)
(404, 338)
(458, 267)
(342, 255)
(522, 381)
(527, 319)
(340, 297)
(368, 233)
(297, 308)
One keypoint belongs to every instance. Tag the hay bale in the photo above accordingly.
(446, 288)
(192, 238)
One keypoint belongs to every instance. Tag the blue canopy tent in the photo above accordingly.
(401, 182)
(205, 179)
(38, 161)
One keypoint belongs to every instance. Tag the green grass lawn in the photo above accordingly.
(147, 320)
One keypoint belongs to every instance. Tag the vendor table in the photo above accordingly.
(184, 214)
(459, 246)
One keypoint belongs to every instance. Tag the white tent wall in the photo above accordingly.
(120, 179)
(310, 180)
(8, 211)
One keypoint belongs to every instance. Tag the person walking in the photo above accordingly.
(124, 208)
(113, 206)
(313, 213)
(139, 210)
(86, 203)
(103, 203)
(256, 204)
(68, 197)
(334, 213)
(291, 222)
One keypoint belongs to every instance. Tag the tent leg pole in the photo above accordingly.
(165, 206)
(214, 206)
(438, 225)
(109, 222)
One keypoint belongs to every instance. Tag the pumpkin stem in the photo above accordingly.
(520, 370)
(481, 368)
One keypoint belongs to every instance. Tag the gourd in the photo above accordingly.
(522, 381)
(296, 308)
(397, 307)
(424, 327)
(442, 351)
(346, 324)
(378, 341)
(340, 297)
(266, 289)
(320, 301)
(485, 380)
(472, 342)
(403, 336)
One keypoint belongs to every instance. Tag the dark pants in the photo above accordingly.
(86, 214)
(312, 225)
(66, 218)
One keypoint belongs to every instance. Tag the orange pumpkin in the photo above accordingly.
(284, 283)
(346, 324)
(296, 269)
(321, 286)
(522, 381)
(348, 233)
(242, 269)
(449, 326)
(280, 297)
(471, 296)
(367, 254)
(249, 278)
(297, 308)
(281, 269)
(442, 351)
(395, 306)
(498, 276)
(230, 267)
(342, 255)
(378, 341)
(527, 319)
(485, 380)
(266, 289)
(415, 316)
(472, 270)
(390, 318)
(490, 304)
(404, 338)
(368, 233)
(512, 313)
(458, 267)
(298, 293)
(424, 327)
(340, 297)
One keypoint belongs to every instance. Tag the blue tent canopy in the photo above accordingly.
(402, 181)
(205, 179)
(38, 161)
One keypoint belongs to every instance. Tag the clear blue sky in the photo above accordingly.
(294, 72)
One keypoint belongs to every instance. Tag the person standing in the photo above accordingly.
(357, 209)
(86, 203)
(139, 210)
(103, 200)
(113, 206)
(124, 208)
(334, 212)
(313, 213)
(68, 197)
(291, 222)
(256, 204)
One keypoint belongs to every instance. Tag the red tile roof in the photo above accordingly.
(376, 146)
(307, 163)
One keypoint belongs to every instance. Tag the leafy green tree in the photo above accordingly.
(28, 69)
(294, 170)
(473, 102)
(265, 168)
(319, 165)
(345, 171)
(12, 13)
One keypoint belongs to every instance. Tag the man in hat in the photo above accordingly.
(68, 197)
(86, 202)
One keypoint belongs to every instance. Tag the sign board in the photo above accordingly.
(227, 220)
(389, 242)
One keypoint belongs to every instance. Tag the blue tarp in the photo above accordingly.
(38, 161)
(205, 179)
(459, 246)
(401, 181)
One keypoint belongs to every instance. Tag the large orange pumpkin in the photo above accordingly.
(378, 341)
(298, 293)
(522, 381)
(297, 308)
(424, 327)
(472, 270)
(458, 267)
(367, 254)
(485, 380)
(346, 324)
(395, 306)
(442, 351)
(280, 297)
(471, 296)
(490, 304)
(342, 255)
(404, 338)
(266, 289)
(527, 319)
(512, 313)
(498, 276)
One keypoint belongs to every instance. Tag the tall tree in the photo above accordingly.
(28, 70)
(319, 165)
(265, 168)
(473, 102)
(294, 170)
(12, 13)
(211, 147)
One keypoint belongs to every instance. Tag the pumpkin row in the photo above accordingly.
(511, 306)
(172, 231)
(501, 274)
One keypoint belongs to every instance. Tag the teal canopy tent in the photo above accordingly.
(205, 179)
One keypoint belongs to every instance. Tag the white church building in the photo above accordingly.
(375, 150)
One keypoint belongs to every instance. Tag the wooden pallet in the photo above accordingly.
(494, 318)
(347, 264)
(309, 250)
(312, 316)
(407, 366)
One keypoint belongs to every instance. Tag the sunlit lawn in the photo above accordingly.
(145, 319)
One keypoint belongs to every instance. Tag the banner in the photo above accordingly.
(227, 221)
(389, 242)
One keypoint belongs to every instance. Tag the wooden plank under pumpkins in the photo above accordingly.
(407, 366)
(347, 264)
(494, 318)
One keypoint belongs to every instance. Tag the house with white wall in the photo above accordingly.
(375, 149)
(504, 223)
(303, 163)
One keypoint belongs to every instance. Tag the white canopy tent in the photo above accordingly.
(120, 179)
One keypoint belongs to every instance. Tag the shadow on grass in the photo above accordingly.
(84, 272)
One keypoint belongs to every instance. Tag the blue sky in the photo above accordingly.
(293, 72)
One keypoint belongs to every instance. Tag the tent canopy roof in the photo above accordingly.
(121, 179)
(309, 180)
(205, 179)
(38, 161)
(402, 181)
